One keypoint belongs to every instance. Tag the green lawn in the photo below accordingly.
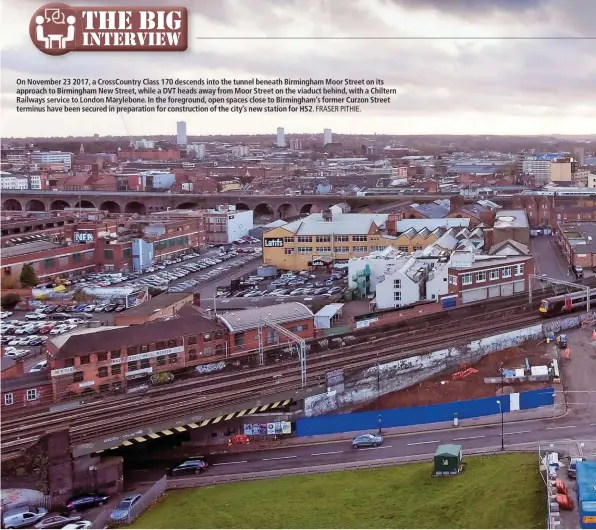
(493, 492)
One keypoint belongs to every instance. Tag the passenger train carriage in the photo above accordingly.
(566, 303)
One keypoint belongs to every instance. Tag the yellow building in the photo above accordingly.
(325, 237)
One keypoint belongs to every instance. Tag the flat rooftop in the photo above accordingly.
(511, 219)
(157, 303)
(581, 235)
(28, 248)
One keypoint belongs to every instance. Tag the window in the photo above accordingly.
(342, 239)
(160, 345)
(397, 296)
(453, 280)
(323, 250)
(115, 354)
(116, 369)
(520, 270)
(32, 394)
(8, 399)
(359, 250)
(77, 377)
(323, 239)
(359, 238)
(161, 361)
(218, 335)
(126, 253)
(68, 363)
(507, 272)
(102, 372)
(417, 248)
(132, 365)
(288, 239)
(102, 356)
(192, 355)
(403, 249)
(304, 239)
(481, 276)
(84, 359)
(219, 350)
(144, 348)
(104, 388)
(304, 250)
(192, 340)
(108, 253)
(288, 251)
(239, 340)
(173, 358)
(493, 274)
(207, 337)
(342, 250)
(132, 350)
(466, 279)
(49, 263)
(145, 363)
(397, 284)
(76, 258)
(208, 350)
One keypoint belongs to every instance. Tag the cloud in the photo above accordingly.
(456, 85)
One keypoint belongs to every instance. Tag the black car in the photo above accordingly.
(84, 501)
(194, 467)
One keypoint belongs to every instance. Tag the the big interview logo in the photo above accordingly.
(57, 29)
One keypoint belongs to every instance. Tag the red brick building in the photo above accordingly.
(23, 390)
(110, 359)
(578, 242)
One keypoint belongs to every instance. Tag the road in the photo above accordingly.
(486, 437)
(548, 259)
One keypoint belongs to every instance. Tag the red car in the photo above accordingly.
(46, 329)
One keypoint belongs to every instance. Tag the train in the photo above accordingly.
(566, 303)
(562, 192)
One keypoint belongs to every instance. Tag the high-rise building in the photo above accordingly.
(196, 151)
(281, 140)
(579, 153)
(327, 138)
(181, 133)
(296, 144)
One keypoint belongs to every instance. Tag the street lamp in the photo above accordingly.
(379, 392)
(501, 409)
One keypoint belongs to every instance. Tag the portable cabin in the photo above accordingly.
(586, 493)
(448, 460)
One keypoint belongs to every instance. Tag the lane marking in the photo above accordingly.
(562, 427)
(230, 463)
(518, 432)
(279, 458)
(468, 438)
(373, 448)
(421, 443)
(592, 424)
(327, 453)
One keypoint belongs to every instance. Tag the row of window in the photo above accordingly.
(326, 239)
(493, 274)
(31, 395)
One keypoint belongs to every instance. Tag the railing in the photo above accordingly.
(370, 464)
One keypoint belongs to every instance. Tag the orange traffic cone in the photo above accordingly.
(567, 353)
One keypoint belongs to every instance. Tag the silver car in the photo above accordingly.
(367, 440)
(23, 518)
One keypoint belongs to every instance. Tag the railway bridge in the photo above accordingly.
(278, 206)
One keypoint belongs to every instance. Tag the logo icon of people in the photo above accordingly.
(53, 29)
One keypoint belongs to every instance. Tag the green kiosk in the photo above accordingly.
(448, 460)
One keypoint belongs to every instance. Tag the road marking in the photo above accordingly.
(518, 432)
(372, 448)
(468, 438)
(592, 424)
(421, 443)
(327, 453)
(280, 458)
(230, 463)
(562, 427)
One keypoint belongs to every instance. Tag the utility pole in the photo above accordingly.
(379, 392)
(502, 409)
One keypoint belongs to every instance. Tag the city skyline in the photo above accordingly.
(538, 82)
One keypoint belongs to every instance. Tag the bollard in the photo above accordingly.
(455, 419)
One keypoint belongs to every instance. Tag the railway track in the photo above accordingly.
(167, 405)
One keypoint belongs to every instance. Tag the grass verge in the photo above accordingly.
(493, 492)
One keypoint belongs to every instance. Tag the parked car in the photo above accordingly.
(572, 470)
(367, 440)
(81, 525)
(194, 467)
(23, 518)
(39, 367)
(57, 521)
(123, 510)
(84, 501)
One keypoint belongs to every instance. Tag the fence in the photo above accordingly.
(42, 502)
(315, 470)
(104, 519)
(403, 417)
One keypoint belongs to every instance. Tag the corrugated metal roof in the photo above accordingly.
(340, 224)
(247, 319)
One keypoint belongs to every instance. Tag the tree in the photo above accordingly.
(10, 300)
(28, 277)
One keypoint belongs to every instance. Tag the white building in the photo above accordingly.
(49, 158)
(394, 279)
(144, 144)
(296, 144)
(225, 224)
(327, 137)
(8, 181)
(181, 133)
(240, 150)
(591, 181)
(281, 140)
(196, 151)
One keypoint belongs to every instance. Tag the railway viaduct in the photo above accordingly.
(279, 206)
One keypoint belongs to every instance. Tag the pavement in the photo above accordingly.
(549, 259)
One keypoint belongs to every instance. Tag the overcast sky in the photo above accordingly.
(460, 84)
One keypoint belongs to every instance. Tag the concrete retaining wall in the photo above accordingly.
(404, 373)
